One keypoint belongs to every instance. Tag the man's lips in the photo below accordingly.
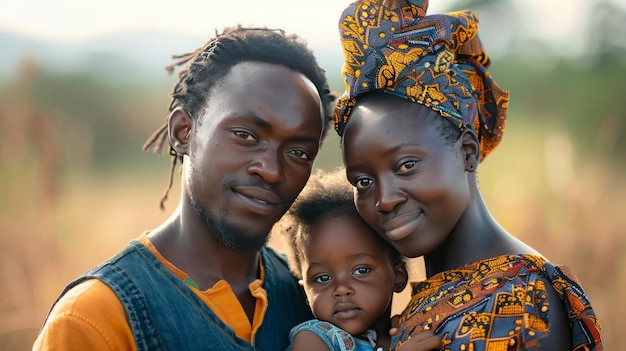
(403, 225)
(258, 200)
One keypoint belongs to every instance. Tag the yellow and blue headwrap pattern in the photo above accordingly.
(436, 60)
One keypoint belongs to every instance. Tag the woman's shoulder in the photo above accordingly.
(556, 296)
(525, 292)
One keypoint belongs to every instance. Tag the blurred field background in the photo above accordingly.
(75, 187)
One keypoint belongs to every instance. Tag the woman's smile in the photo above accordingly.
(402, 226)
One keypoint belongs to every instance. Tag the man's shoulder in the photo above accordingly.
(277, 268)
(276, 259)
(88, 295)
(88, 316)
(268, 250)
(92, 290)
(91, 302)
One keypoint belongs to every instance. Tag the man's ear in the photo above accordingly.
(179, 126)
(470, 147)
(401, 277)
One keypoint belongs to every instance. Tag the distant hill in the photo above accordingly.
(132, 53)
(145, 51)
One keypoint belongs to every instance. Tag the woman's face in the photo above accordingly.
(411, 185)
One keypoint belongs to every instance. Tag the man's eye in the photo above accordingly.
(301, 154)
(322, 278)
(244, 135)
(361, 270)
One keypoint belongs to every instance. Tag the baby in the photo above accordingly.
(349, 273)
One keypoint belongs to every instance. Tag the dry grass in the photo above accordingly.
(572, 210)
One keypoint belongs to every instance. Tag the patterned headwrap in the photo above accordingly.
(437, 61)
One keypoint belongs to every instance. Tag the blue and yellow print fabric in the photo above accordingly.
(436, 60)
(499, 304)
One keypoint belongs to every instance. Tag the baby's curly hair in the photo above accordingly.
(326, 193)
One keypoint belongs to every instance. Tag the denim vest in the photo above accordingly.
(164, 314)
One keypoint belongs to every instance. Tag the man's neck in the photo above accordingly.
(203, 258)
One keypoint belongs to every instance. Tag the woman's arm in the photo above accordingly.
(559, 337)
(423, 341)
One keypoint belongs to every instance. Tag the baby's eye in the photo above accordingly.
(362, 183)
(361, 270)
(324, 278)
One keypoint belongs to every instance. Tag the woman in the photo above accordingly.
(419, 113)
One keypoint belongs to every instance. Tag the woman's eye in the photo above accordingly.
(324, 278)
(362, 270)
(407, 165)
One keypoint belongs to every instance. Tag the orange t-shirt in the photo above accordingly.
(91, 317)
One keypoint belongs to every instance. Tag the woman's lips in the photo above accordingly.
(402, 226)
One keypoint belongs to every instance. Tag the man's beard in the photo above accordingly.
(229, 234)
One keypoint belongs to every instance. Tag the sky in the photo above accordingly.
(70, 20)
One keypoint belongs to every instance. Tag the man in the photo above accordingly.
(247, 118)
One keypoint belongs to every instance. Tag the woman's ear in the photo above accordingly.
(471, 149)
(179, 126)
(401, 277)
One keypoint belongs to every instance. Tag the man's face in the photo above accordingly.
(252, 151)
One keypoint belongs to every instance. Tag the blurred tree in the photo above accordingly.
(31, 134)
(606, 40)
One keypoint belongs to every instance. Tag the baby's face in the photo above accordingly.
(347, 274)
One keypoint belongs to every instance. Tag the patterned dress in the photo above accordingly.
(499, 304)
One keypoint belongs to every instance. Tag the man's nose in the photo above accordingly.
(268, 165)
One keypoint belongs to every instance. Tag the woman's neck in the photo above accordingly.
(471, 239)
